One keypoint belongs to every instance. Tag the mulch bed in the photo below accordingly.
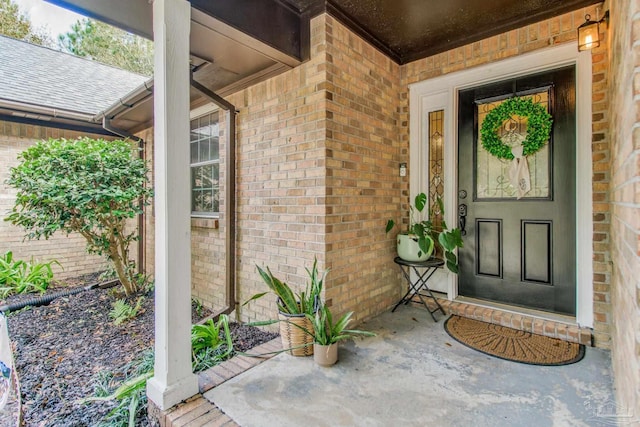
(58, 350)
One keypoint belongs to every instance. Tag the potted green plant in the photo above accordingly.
(327, 334)
(418, 242)
(293, 308)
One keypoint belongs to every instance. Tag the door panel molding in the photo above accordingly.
(442, 92)
(537, 251)
(489, 254)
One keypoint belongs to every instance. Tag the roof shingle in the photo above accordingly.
(49, 78)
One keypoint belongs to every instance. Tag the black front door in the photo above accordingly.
(519, 251)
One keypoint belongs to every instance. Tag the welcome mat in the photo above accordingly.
(511, 344)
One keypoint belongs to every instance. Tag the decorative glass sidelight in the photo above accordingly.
(492, 174)
(436, 161)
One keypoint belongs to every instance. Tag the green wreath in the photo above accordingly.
(538, 127)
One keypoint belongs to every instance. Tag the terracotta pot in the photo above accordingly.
(325, 355)
(408, 248)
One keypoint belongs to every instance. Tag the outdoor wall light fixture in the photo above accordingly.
(589, 32)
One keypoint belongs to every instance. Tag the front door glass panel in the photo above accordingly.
(492, 174)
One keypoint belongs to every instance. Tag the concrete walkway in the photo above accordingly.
(414, 374)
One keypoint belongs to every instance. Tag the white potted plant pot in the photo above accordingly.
(408, 248)
(325, 355)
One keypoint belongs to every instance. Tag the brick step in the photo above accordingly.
(520, 321)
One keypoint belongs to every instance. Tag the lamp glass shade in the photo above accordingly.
(588, 35)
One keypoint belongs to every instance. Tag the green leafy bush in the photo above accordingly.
(18, 277)
(122, 311)
(86, 186)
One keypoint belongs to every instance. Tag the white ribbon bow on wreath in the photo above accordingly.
(519, 169)
(519, 172)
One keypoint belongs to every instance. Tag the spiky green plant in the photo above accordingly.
(305, 302)
(326, 332)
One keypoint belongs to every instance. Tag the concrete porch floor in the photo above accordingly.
(414, 374)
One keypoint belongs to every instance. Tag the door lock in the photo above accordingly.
(462, 218)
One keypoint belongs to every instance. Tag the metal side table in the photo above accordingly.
(420, 283)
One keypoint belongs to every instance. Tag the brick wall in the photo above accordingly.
(624, 88)
(601, 149)
(68, 250)
(363, 187)
(281, 183)
(318, 150)
(560, 29)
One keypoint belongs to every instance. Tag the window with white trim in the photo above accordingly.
(205, 166)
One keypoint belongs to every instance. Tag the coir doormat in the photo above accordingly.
(511, 344)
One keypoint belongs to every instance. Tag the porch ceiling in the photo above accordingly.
(405, 30)
(242, 42)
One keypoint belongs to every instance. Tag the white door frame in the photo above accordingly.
(442, 93)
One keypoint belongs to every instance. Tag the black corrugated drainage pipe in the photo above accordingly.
(47, 299)
(229, 195)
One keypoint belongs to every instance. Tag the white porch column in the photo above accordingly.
(173, 379)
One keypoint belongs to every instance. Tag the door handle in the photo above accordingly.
(462, 218)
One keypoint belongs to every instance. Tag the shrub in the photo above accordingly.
(87, 186)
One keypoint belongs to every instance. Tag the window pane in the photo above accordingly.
(194, 178)
(216, 174)
(203, 125)
(216, 200)
(201, 201)
(205, 194)
(203, 149)
(207, 176)
(205, 153)
(215, 148)
(194, 152)
(194, 198)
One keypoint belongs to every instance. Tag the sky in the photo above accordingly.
(44, 14)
